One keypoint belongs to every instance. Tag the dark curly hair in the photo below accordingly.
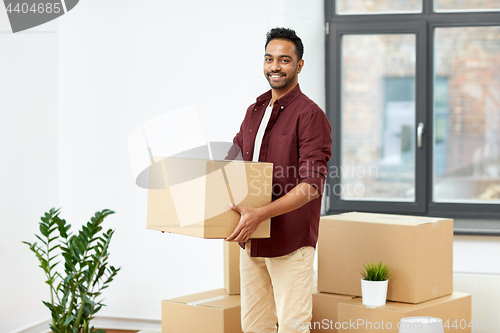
(288, 34)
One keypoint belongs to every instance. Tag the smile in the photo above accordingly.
(276, 76)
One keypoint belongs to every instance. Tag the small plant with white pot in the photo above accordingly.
(374, 284)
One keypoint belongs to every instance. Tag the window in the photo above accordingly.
(378, 114)
(413, 95)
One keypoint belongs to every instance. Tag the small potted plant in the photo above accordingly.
(374, 284)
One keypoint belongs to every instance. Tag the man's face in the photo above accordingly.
(281, 64)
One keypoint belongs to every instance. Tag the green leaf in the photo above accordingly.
(69, 320)
(53, 239)
(375, 272)
(44, 242)
(44, 229)
(43, 263)
(100, 273)
(54, 265)
(50, 306)
(53, 248)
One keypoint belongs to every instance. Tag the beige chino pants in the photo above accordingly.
(276, 293)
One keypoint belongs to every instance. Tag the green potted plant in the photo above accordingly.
(374, 284)
(77, 279)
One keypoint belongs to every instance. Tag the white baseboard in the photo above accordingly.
(41, 327)
(115, 323)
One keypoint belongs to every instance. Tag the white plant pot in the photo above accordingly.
(374, 292)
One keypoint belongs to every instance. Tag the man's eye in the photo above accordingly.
(284, 60)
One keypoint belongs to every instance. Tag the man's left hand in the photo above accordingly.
(249, 221)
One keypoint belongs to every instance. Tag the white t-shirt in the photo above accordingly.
(260, 133)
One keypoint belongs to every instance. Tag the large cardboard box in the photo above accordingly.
(209, 312)
(324, 314)
(232, 268)
(419, 251)
(192, 196)
(454, 310)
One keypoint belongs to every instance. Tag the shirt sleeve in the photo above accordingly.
(315, 146)
(234, 152)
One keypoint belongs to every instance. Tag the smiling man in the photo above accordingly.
(288, 129)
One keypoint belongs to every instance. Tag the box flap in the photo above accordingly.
(406, 307)
(338, 297)
(383, 218)
(217, 298)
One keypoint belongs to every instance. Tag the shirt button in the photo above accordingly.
(250, 130)
(282, 107)
(247, 152)
(255, 110)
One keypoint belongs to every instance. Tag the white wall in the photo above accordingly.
(476, 254)
(121, 63)
(28, 165)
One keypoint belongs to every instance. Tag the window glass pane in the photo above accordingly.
(378, 118)
(467, 115)
(466, 5)
(370, 7)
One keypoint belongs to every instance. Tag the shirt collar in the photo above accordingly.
(284, 100)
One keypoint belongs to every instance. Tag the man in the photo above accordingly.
(288, 129)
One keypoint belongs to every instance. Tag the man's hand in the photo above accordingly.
(250, 220)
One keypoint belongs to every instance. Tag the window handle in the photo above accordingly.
(420, 131)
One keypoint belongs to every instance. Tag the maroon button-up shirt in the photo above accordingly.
(297, 141)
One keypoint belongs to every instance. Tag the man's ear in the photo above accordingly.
(300, 65)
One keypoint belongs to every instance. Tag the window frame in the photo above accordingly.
(423, 25)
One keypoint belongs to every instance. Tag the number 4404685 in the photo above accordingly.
(34, 8)
(478, 324)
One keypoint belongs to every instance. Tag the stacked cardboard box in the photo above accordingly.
(418, 249)
(215, 311)
(325, 305)
(232, 268)
(419, 252)
(454, 310)
(209, 312)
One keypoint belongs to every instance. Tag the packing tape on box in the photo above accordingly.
(433, 222)
(208, 300)
(409, 219)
